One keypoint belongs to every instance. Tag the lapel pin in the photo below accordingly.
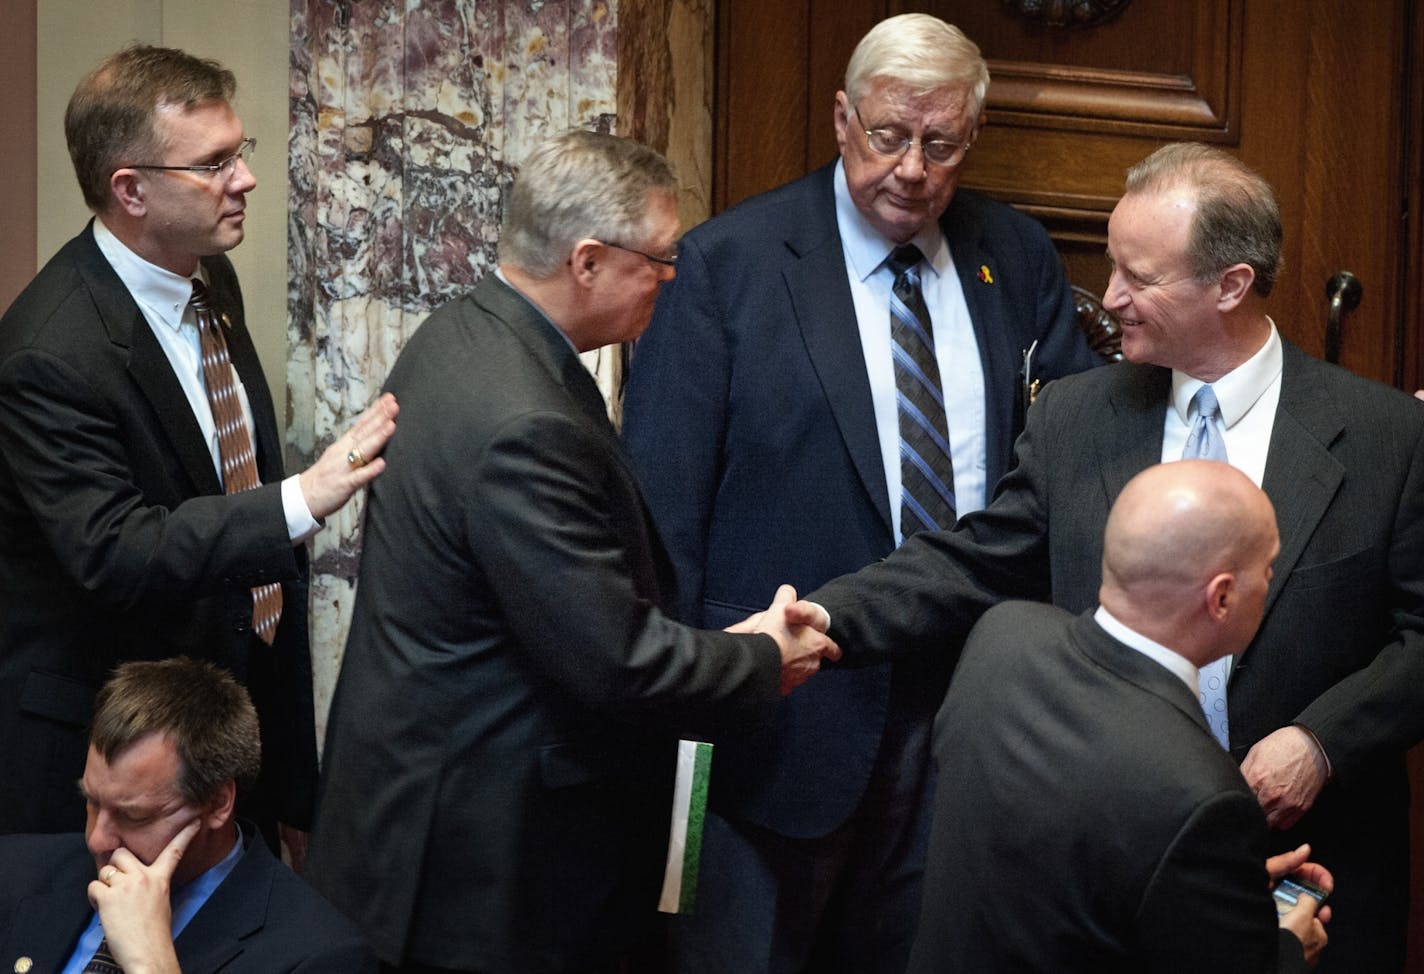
(227, 322)
(985, 275)
(24, 965)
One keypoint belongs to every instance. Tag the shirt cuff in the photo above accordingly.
(300, 523)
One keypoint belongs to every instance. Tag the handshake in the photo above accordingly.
(799, 628)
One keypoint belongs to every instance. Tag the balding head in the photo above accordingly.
(1187, 556)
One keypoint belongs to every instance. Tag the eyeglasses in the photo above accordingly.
(223, 168)
(665, 261)
(891, 144)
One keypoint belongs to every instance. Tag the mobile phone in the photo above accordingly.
(1291, 888)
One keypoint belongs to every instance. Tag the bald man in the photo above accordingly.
(1086, 819)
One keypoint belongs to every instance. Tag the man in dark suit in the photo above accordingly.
(181, 884)
(498, 771)
(1324, 702)
(761, 416)
(123, 535)
(1086, 820)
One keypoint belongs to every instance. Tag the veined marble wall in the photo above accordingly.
(408, 120)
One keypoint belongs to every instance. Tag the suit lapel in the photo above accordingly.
(1132, 437)
(964, 234)
(825, 314)
(1302, 477)
(148, 365)
(44, 927)
(235, 911)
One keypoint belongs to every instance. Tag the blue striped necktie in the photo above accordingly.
(926, 467)
(1204, 442)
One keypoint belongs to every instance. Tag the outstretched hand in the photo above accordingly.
(134, 909)
(799, 629)
(352, 461)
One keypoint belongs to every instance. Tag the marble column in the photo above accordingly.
(408, 120)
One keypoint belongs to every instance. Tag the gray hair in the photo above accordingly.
(578, 185)
(1238, 220)
(920, 51)
(197, 705)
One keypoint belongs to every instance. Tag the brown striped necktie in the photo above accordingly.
(239, 461)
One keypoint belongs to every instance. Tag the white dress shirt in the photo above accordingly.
(1176, 663)
(956, 348)
(1248, 396)
(163, 298)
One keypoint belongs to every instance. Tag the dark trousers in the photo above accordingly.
(846, 902)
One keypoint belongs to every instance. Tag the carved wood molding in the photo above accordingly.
(1067, 13)
(1202, 104)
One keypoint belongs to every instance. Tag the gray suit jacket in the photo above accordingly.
(1341, 649)
(1085, 821)
(497, 784)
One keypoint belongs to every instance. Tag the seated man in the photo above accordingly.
(181, 885)
(1086, 819)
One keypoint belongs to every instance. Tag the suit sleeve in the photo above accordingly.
(1379, 709)
(675, 420)
(65, 449)
(552, 533)
(1213, 878)
(927, 594)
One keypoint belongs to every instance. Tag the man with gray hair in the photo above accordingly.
(1321, 706)
(165, 878)
(764, 418)
(499, 766)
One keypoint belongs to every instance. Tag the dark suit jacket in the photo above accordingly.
(116, 541)
(262, 919)
(1341, 648)
(1085, 818)
(498, 769)
(749, 419)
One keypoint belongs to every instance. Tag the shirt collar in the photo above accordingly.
(160, 291)
(1172, 660)
(866, 249)
(1237, 390)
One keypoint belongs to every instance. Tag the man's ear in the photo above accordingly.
(1236, 283)
(841, 119)
(586, 260)
(128, 191)
(1220, 596)
(218, 809)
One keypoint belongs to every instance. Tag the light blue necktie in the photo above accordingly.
(926, 467)
(1205, 442)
